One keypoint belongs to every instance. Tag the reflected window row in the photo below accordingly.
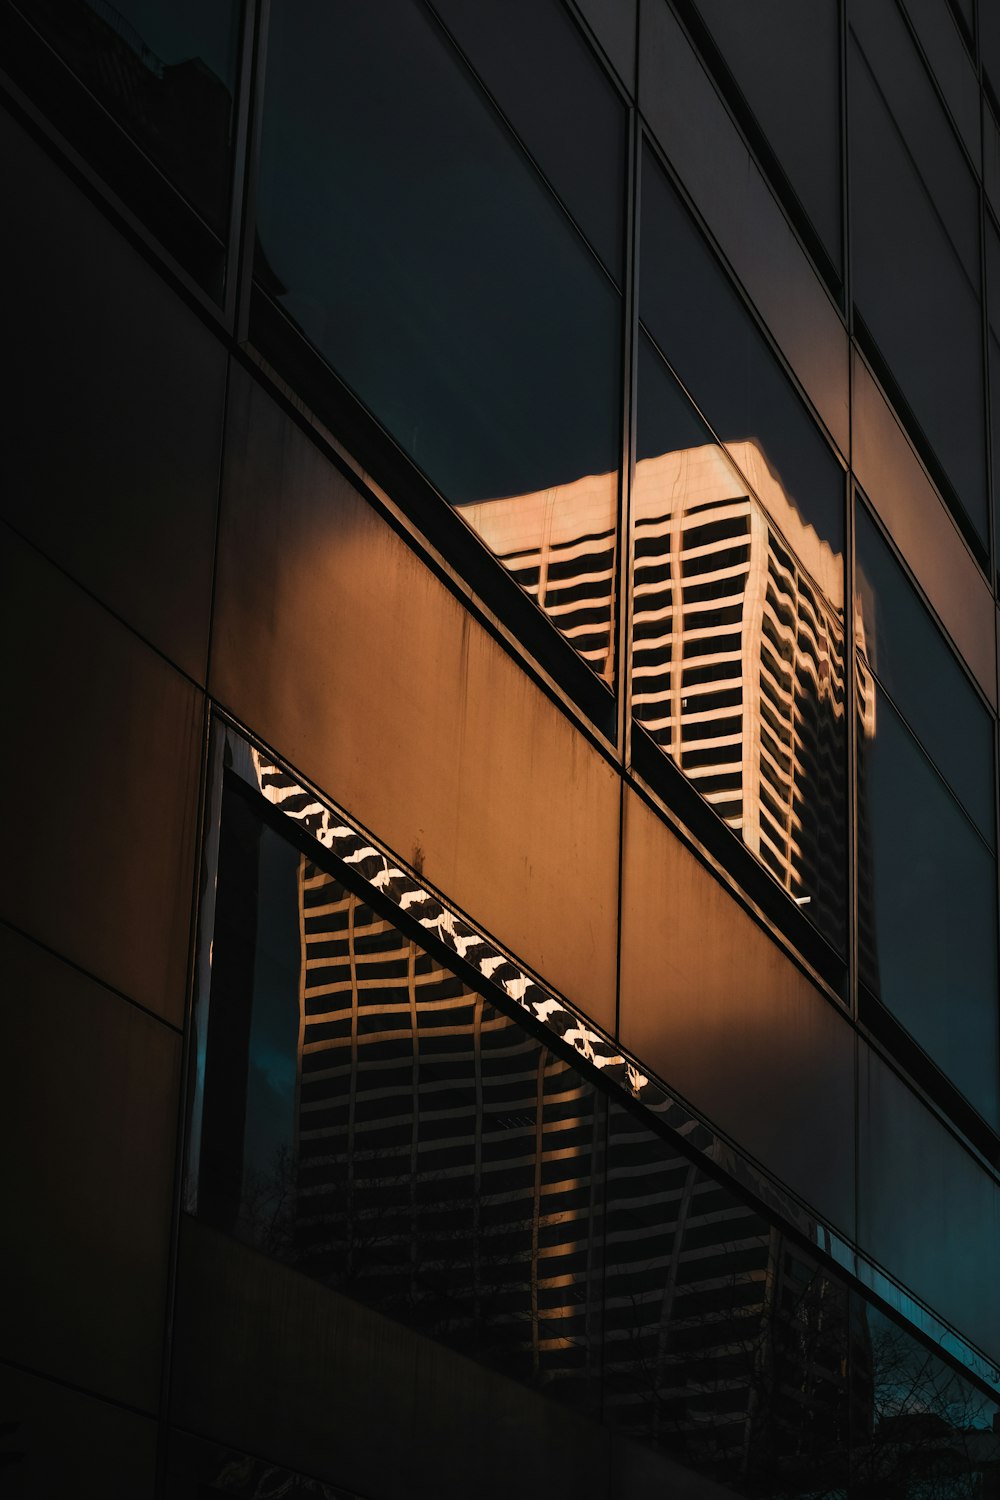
(368, 1119)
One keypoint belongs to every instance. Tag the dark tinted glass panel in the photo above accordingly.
(614, 24)
(738, 644)
(993, 303)
(388, 1131)
(726, 1346)
(913, 106)
(989, 42)
(370, 1120)
(913, 663)
(939, 32)
(693, 312)
(543, 75)
(916, 262)
(272, 1081)
(919, 1430)
(927, 895)
(785, 57)
(165, 72)
(405, 232)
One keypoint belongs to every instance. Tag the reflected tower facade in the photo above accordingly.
(737, 646)
(453, 1171)
(500, 571)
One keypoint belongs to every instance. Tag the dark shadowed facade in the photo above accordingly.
(499, 907)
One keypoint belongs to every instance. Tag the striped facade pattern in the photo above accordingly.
(738, 659)
(460, 1175)
(560, 545)
(737, 664)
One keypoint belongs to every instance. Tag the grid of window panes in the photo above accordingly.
(454, 215)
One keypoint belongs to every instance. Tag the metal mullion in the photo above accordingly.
(204, 882)
(259, 12)
(850, 659)
(845, 208)
(996, 834)
(851, 733)
(237, 192)
(626, 560)
(630, 348)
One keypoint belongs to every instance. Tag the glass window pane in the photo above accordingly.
(691, 308)
(542, 73)
(726, 1347)
(993, 304)
(738, 645)
(916, 262)
(927, 896)
(939, 33)
(371, 1121)
(167, 73)
(920, 1429)
(912, 661)
(989, 42)
(883, 39)
(424, 258)
(614, 24)
(786, 59)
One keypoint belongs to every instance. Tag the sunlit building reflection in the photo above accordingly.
(737, 667)
(459, 1174)
(560, 545)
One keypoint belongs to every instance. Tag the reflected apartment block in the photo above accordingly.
(444, 1156)
(485, 453)
(458, 1173)
(737, 639)
(560, 544)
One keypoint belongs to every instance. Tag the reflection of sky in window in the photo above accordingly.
(910, 1380)
(274, 1027)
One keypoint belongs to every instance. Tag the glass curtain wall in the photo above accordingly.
(462, 280)
(738, 626)
(446, 229)
(915, 253)
(783, 65)
(408, 1141)
(927, 889)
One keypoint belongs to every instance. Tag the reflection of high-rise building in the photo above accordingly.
(560, 544)
(444, 1155)
(456, 1172)
(738, 657)
(737, 639)
(528, 470)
